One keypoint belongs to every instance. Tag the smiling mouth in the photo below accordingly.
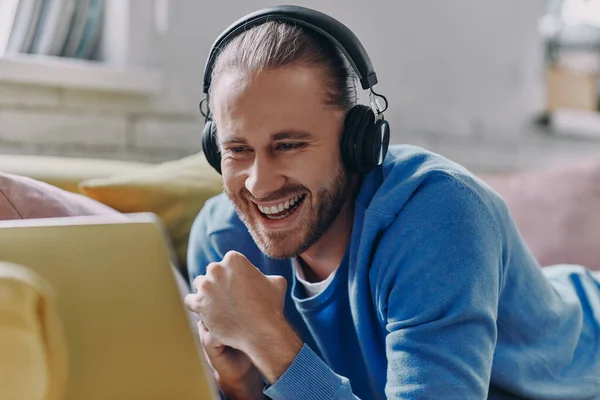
(282, 210)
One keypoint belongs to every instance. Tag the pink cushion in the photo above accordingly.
(556, 211)
(25, 198)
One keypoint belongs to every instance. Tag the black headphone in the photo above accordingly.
(366, 137)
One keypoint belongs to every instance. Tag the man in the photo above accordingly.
(408, 282)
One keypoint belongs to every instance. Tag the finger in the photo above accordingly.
(202, 331)
(204, 284)
(208, 360)
(215, 270)
(209, 341)
(193, 318)
(202, 327)
(192, 303)
(198, 282)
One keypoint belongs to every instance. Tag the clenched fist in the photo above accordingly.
(244, 309)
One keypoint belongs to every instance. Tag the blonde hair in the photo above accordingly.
(277, 44)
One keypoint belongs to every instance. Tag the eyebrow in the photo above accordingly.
(296, 135)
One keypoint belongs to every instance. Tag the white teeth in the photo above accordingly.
(280, 207)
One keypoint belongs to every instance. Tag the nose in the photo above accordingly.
(264, 177)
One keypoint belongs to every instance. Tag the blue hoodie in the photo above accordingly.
(437, 297)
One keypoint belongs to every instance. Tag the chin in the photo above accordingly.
(280, 245)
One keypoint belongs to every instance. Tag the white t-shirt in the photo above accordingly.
(312, 289)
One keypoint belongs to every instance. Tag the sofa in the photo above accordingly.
(555, 209)
(46, 186)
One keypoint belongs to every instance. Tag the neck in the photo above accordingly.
(323, 257)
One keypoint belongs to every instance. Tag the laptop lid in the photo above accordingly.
(127, 330)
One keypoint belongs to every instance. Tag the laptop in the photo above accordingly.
(128, 333)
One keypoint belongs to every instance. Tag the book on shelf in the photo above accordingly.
(61, 28)
(8, 13)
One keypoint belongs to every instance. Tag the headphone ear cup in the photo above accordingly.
(377, 147)
(348, 140)
(376, 144)
(210, 146)
(364, 128)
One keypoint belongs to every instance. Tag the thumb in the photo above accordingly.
(279, 282)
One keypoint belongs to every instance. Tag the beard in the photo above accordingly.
(320, 210)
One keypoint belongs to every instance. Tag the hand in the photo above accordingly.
(244, 309)
(237, 303)
(235, 374)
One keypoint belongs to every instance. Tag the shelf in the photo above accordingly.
(78, 74)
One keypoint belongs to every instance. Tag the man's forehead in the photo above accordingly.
(286, 81)
(246, 108)
(227, 88)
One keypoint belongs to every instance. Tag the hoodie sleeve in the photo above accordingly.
(309, 378)
(438, 293)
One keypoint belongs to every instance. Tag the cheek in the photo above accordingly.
(232, 182)
(317, 172)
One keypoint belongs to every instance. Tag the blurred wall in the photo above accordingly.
(463, 78)
(463, 68)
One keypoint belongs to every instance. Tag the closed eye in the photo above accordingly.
(237, 151)
(290, 146)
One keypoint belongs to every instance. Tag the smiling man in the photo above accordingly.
(317, 276)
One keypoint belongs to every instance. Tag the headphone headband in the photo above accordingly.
(332, 29)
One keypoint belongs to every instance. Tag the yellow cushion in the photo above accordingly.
(33, 352)
(64, 172)
(174, 190)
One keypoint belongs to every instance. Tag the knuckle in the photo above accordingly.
(195, 281)
(204, 286)
(278, 283)
(281, 283)
(198, 281)
(214, 269)
(233, 256)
